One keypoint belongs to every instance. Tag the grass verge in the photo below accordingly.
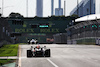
(9, 50)
(6, 61)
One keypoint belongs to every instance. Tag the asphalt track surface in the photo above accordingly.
(63, 56)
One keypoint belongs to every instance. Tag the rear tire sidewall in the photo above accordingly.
(47, 53)
(29, 53)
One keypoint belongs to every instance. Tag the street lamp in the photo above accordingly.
(26, 8)
(77, 7)
(2, 6)
(0, 12)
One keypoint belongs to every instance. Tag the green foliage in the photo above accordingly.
(56, 17)
(5, 61)
(13, 14)
(9, 50)
(74, 15)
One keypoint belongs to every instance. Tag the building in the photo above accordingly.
(97, 6)
(39, 8)
(59, 10)
(52, 7)
(85, 7)
(59, 3)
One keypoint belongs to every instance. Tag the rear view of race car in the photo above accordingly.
(38, 52)
(32, 41)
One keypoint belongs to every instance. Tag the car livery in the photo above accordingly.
(38, 51)
(32, 41)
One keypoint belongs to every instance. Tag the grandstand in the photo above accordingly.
(85, 31)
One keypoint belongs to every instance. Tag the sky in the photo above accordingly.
(19, 6)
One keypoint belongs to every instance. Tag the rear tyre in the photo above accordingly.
(47, 53)
(29, 53)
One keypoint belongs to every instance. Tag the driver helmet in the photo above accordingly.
(38, 47)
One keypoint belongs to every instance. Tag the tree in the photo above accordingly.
(15, 15)
(74, 15)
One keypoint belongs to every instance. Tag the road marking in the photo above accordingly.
(52, 63)
(19, 55)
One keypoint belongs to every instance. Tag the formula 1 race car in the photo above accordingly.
(32, 41)
(38, 52)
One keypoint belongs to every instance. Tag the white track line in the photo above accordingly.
(52, 63)
(19, 55)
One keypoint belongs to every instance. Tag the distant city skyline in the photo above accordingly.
(19, 6)
(39, 8)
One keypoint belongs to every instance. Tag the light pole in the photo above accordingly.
(0, 9)
(90, 6)
(26, 8)
(77, 7)
(2, 6)
(64, 7)
(0, 12)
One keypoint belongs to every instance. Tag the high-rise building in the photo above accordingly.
(52, 6)
(59, 10)
(59, 3)
(39, 8)
(86, 7)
